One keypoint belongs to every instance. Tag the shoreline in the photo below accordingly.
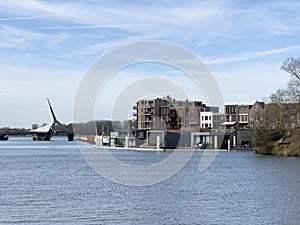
(154, 149)
(149, 149)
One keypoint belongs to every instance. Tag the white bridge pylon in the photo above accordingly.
(45, 133)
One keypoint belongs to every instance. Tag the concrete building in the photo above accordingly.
(239, 114)
(170, 114)
(151, 114)
(185, 123)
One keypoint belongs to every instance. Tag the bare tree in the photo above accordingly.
(279, 97)
(293, 90)
(281, 112)
(292, 66)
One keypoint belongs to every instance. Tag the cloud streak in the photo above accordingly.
(252, 55)
(93, 27)
(13, 37)
(24, 18)
(209, 18)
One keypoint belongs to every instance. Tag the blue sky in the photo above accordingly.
(46, 46)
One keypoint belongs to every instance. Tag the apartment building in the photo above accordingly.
(151, 113)
(170, 114)
(239, 114)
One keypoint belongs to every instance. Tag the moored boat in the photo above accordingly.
(3, 137)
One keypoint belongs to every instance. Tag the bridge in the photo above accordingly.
(46, 132)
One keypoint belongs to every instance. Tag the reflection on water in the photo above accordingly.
(50, 183)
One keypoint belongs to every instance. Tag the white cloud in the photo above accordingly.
(194, 22)
(209, 18)
(71, 33)
(12, 37)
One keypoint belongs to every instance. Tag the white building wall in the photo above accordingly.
(206, 119)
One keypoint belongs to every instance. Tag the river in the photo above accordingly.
(51, 183)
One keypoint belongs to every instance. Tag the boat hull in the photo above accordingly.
(3, 137)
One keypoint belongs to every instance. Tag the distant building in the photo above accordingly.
(243, 115)
(239, 114)
(256, 113)
(238, 122)
(231, 113)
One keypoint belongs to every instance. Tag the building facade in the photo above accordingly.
(238, 113)
(256, 113)
(170, 114)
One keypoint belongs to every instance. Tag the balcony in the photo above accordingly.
(148, 106)
(147, 112)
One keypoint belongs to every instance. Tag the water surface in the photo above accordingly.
(50, 183)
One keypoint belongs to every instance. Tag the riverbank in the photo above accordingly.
(150, 149)
(289, 145)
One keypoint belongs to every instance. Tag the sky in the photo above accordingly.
(46, 47)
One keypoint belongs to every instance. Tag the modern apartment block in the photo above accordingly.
(238, 114)
(180, 122)
(231, 113)
(204, 123)
(170, 114)
(151, 113)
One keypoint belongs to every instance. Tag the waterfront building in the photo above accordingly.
(170, 114)
(170, 120)
(238, 113)
(231, 113)
(237, 122)
(151, 114)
